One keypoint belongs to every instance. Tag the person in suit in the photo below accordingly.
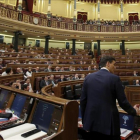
(37, 69)
(44, 82)
(76, 77)
(100, 91)
(136, 82)
(52, 80)
(62, 78)
(80, 68)
(57, 69)
(135, 73)
(48, 69)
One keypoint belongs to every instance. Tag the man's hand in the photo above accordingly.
(136, 107)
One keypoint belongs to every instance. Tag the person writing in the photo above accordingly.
(101, 89)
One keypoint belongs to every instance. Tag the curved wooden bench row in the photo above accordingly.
(59, 90)
(133, 94)
(121, 72)
(42, 74)
(43, 66)
(6, 80)
(68, 127)
(52, 55)
(43, 61)
(120, 65)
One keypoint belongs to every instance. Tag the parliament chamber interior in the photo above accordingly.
(47, 48)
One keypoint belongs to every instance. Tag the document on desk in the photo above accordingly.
(15, 133)
(125, 133)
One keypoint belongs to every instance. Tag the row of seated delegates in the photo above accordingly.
(49, 62)
(47, 80)
(71, 68)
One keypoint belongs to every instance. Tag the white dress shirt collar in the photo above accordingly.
(104, 68)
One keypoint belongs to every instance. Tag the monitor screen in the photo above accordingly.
(126, 121)
(4, 97)
(43, 115)
(18, 104)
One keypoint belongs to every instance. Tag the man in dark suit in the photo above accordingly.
(44, 82)
(36, 70)
(62, 78)
(135, 73)
(100, 115)
(48, 69)
(136, 82)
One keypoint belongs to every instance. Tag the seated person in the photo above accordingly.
(27, 62)
(27, 82)
(52, 80)
(62, 78)
(25, 87)
(12, 62)
(82, 77)
(137, 83)
(89, 68)
(16, 85)
(37, 70)
(76, 77)
(135, 73)
(136, 61)
(62, 69)
(80, 68)
(48, 69)
(8, 71)
(1, 65)
(70, 78)
(29, 72)
(19, 71)
(44, 82)
(17, 62)
(81, 62)
(57, 69)
(95, 67)
(85, 62)
(70, 68)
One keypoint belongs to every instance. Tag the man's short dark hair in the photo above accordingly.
(8, 70)
(106, 59)
(24, 86)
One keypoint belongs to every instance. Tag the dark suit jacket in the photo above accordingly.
(98, 102)
(64, 79)
(43, 83)
(46, 70)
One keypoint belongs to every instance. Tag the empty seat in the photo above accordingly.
(117, 67)
(122, 67)
(77, 93)
(37, 83)
(68, 95)
(129, 74)
(68, 88)
(128, 67)
(122, 74)
(77, 86)
(125, 83)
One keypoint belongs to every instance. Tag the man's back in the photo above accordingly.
(98, 102)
